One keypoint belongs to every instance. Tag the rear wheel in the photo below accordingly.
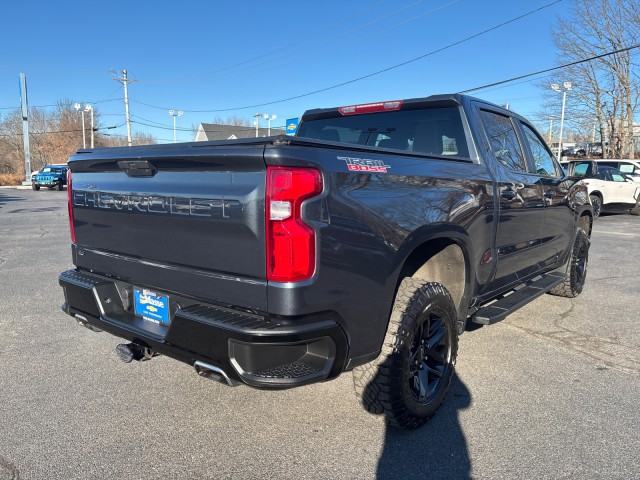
(577, 270)
(596, 202)
(408, 382)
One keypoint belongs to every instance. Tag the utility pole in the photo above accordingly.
(125, 81)
(25, 128)
(89, 107)
(78, 107)
(550, 128)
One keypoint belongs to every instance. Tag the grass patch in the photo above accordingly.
(10, 179)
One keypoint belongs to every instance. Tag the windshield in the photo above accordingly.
(434, 131)
(52, 170)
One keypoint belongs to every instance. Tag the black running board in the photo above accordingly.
(512, 301)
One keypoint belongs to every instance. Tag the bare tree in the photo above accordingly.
(234, 120)
(121, 140)
(54, 136)
(605, 91)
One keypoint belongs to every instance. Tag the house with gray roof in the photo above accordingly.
(214, 131)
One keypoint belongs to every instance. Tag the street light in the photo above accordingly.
(269, 118)
(256, 122)
(566, 86)
(175, 114)
(77, 106)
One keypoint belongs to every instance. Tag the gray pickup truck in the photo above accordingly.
(366, 243)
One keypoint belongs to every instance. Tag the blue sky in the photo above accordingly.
(207, 56)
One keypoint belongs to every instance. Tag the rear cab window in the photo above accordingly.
(435, 131)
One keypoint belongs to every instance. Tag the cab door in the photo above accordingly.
(623, 191)
(559, 217)
(520, 200)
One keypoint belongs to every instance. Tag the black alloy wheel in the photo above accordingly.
(429, 358)
(576, 275)
(580, 260)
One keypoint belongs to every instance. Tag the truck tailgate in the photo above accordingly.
(200, 211)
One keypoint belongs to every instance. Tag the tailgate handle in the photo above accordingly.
(137, 168)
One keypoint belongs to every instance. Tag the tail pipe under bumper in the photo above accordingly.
(223, 344)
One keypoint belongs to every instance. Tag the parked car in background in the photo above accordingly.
(610, 190)
(51, 176)
(575, 151)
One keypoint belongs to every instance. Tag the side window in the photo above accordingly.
(616, 176)
(545, 164)
(626, 168)
(503, 140)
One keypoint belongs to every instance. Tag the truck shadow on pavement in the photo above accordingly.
(4, 198)
(438, 450)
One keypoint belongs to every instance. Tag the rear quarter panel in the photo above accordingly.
(368, 224)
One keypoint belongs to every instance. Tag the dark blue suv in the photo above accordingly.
(51, 176)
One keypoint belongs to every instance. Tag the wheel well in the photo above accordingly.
(597, 194)
(585, 222)
(441, 260)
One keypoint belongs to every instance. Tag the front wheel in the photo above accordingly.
(597, 205)
(577, 270)
(408, 382)
(60, 187)
(35, 186)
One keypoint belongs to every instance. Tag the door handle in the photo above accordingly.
(511, 191)
(508, 193)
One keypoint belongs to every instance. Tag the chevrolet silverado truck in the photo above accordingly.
(366, 243)
(51, 176)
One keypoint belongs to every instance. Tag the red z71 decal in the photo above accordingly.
(365, 165)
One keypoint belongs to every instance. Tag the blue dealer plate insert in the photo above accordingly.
(151, 306)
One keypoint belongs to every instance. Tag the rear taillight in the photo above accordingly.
(291, 249)
(70, 204)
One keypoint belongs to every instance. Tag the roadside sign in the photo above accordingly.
(292, 126)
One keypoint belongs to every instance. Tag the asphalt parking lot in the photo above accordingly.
(551, 392)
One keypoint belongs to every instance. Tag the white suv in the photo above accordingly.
(610, 190)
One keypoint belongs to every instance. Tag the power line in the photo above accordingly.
(160, 126)
(363, 77)
(59, 131)
(539, 72)
(60, 104)
(306, 55)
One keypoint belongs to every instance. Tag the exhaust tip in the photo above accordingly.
(124, 353)
(213, 373)
(133, 351)
(85, 323)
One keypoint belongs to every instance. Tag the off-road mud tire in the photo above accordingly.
(577, 270)
(387, 386)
